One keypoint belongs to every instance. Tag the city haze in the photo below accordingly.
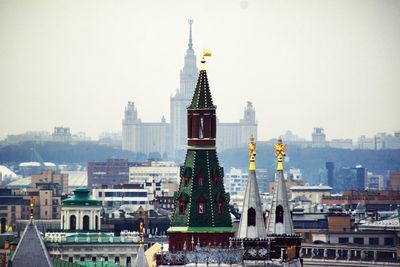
(333, 64)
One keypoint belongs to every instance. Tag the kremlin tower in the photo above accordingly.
(201, 212)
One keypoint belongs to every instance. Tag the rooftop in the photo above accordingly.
(81, 197)
(311, 188)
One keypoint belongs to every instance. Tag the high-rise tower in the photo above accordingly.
(201, 212)
(182, 98)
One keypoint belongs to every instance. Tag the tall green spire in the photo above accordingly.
(201, 204)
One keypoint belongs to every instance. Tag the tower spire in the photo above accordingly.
(280, 221)
(252, 154)
(252, 220)
(190, 21)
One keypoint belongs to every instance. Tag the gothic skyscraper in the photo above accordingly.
(183, 96)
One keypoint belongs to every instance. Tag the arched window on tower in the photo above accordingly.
(201, 205)
(279, 214)
(182, 205)
(186, 179)
(200, 178)
(72, 222)
(190, 126)
(85, 223)
(216, 176)
(220, 205)
(201, 128)
(251, 217)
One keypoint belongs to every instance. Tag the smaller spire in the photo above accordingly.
(280, 149)
(190, 21)
(252, 154)
(141, 242)
(32, 206)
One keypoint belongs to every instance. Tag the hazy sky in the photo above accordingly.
(334, 64)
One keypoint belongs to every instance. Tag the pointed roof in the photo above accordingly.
(252, 220)
(141, 260)
(31, 251)
(251, 202)
(202, 95)
(280, 220)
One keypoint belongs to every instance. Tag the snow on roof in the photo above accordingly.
(6, 172)
(36, 164)
(22, 182)
(77, 178)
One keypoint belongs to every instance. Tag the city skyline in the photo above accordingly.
(74, 67)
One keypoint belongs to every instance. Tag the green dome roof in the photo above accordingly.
(81, 197)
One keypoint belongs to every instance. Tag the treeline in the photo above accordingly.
(312, 160)
(59, 152)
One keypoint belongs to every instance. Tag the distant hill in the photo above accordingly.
(58, 152)
(312, 160)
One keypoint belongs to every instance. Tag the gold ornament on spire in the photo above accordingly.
(141, 234)
(252, 154)
(206, 53)
(280, 149)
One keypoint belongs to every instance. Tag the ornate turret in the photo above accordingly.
(201, 204)
(252, 220)
(280, 220)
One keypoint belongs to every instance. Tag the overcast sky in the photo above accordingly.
(304, 64)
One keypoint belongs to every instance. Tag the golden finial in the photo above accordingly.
(252, 154)
(141, 234)
(32, 206)
(280, 148)
(206, 53)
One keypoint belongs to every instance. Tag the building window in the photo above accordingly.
(343, 240)
(358, 240)
(116, 259)
(128, 261)
(94, 259)
(201, 205)
(70, 259)
(45, 202)
(97, 223)
(374, 240)
(100, 194)
(201, 178)
(251, 217)
(82, 259)
(388, 241)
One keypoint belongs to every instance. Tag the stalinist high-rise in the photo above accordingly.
(183, 96)
(169, 138)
